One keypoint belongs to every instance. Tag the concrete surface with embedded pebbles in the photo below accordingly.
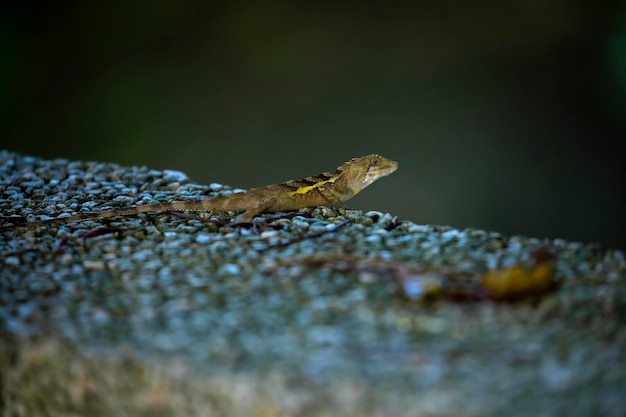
(157, 315)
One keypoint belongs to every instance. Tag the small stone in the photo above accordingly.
(11, 260)
(203, 238)
(231, 269)
(174, 175)
(94, 265)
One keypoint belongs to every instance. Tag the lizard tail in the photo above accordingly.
(101, 214)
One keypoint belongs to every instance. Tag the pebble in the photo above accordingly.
(203, 238)
(174, 175)
(93, 265)
(12, 260)
(231, 269)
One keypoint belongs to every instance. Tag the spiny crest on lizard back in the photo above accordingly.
(361, 172)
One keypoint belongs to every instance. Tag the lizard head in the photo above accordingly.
(361, 172)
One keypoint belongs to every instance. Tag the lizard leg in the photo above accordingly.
(260, 207)
(331, 198)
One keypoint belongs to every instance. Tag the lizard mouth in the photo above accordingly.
(374, 174)
(377, 171)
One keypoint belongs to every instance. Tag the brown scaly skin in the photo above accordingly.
(327, 188)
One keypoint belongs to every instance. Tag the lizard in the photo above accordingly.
(332, 188)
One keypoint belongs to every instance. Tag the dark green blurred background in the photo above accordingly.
(505, 115)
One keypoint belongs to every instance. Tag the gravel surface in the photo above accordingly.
(300, 315)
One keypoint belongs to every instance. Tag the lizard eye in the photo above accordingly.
(375, 161)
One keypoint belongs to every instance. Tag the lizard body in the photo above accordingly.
(327, 188)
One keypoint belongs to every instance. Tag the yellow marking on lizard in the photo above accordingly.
(304, 190)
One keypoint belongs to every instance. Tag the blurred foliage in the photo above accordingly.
(502, 115)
